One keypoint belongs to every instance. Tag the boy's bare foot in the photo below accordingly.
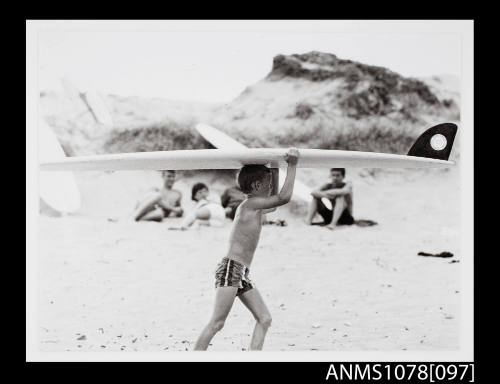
(332, 227)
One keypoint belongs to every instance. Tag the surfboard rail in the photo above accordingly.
(235, 159)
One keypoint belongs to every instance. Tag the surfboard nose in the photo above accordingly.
(436, 142)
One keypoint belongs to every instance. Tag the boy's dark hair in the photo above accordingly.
(165, 171)
(249, 174)
(341, 170)
(196, 188)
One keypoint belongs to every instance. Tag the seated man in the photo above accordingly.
(231, 199)
(339, 193)
(162, 203)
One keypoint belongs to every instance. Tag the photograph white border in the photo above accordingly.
(462, 28)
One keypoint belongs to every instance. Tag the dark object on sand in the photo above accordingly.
(442, 254)
(359, 223)
(365, 223)
(279, 223)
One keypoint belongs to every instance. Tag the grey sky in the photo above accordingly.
(217, 65)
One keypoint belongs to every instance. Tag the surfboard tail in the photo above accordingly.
(436, 142)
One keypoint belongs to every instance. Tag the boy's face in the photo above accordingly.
(201, 194)
(336, 177)
(169, 179)
(264, 186)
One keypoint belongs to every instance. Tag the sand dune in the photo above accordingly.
(111, 286)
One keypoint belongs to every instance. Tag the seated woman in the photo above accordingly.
(205, 212)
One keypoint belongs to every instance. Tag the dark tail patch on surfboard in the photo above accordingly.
(436, 142)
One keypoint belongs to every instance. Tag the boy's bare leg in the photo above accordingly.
(224, 299)
(340, 205)
(254, 302)
(313, 208)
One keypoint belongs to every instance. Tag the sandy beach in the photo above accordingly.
(126, 286)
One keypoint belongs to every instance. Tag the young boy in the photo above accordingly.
(232, 274)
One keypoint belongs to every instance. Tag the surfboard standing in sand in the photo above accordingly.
(93, 100)
(58, 190)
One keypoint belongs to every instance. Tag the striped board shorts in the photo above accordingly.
(231, 273)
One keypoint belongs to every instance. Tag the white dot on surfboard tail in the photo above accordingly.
(438, 142)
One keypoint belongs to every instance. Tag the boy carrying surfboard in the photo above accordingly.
(232, 275)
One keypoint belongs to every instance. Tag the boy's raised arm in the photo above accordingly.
(275, 177)
(285, 194)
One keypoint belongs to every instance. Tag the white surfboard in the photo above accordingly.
(57, 189)
(70, 89)
(97, 107)
(432, 149)
(221, 140)
(218, 138)
(236, 158)
(93, 101)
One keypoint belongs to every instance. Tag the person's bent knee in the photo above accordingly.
(203, 213)
(340, 200)
(265, 321)
(217, 325)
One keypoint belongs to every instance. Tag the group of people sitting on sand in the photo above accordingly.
(165, 202)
